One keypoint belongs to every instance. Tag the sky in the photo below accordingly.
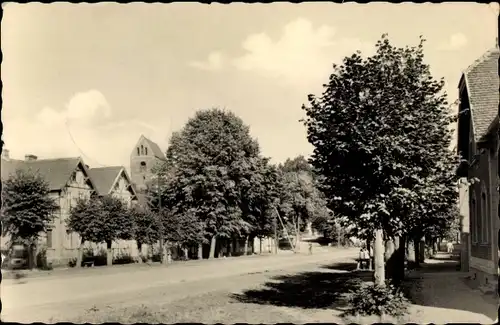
(88, 79)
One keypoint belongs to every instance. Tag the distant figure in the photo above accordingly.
(363, 259)
(449, 247)
(310, 248)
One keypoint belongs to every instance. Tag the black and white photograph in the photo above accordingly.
(312, 162)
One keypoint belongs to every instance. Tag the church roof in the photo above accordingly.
(56, 172)
(482, 82)
(155, 148)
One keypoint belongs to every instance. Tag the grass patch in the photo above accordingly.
(211, 308)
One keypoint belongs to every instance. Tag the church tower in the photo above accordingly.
(143, 157)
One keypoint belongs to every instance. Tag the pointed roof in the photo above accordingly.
(105, 178)
(157, 152)
(482, 82)
(56, 172)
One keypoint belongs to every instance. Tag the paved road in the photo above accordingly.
(40, 299)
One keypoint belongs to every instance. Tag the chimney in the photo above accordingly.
(5, 154)
(30, 157)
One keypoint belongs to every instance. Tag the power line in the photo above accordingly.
(78, 147)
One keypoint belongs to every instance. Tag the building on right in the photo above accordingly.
(478, 145)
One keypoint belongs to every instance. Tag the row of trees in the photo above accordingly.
(214, 184)
(381, 135)
(216, 181)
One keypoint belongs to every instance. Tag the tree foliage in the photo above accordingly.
(100, 219)
(381, 140)
(217, 182)
(147, 226)
(27, 208)
(300, 196)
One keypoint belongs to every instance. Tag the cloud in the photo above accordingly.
(214, 62)
(455, 42)
(86, 128)
(87, 107)
(302, 55)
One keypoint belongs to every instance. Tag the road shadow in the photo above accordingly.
(438, 283)
(312, 290)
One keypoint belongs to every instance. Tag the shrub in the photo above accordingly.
(371, 299)
(156, 257)
(100, 258)
(123, 258)
(41, 260)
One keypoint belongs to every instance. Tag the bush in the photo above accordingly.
(123, 258)
(41, 260)
(156, 257)
(371, 299)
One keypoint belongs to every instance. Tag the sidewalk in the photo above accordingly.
(441, 295)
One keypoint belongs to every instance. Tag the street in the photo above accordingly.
(53, 298)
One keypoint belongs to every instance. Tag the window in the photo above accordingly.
(484, 219)
(146, 150)
(49, 238)
(138, 151)
(473, 224)
(143, 166)
(142, 149)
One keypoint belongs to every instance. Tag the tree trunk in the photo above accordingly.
(297, 240)
(162, 251)
(421, 255)
(200, 251)
(230, 247)
(185, 251)
(109, 253)
(139, 252)
(368, 246)
(378, 254)
(31, 256)
(416, 246)
(246, 246)
(213, 241)
(390, 258)
(167, 256)
(79, 255)
(411, 253)
(260, 245)
(399, 262)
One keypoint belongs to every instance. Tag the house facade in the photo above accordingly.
(68, 180)
(478, 144)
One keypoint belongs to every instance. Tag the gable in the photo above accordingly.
(146, 147)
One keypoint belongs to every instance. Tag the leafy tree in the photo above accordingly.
(27, 209)
(301, 200)
(260, 196)
(210, 157)
(100, 219)
(147, 226)
(381, 134)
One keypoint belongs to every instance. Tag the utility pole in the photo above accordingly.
(275, 224)
(159, 216)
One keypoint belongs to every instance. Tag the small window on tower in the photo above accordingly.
(142, 149)
(138, 151)
(143, 166)
(146, 150)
